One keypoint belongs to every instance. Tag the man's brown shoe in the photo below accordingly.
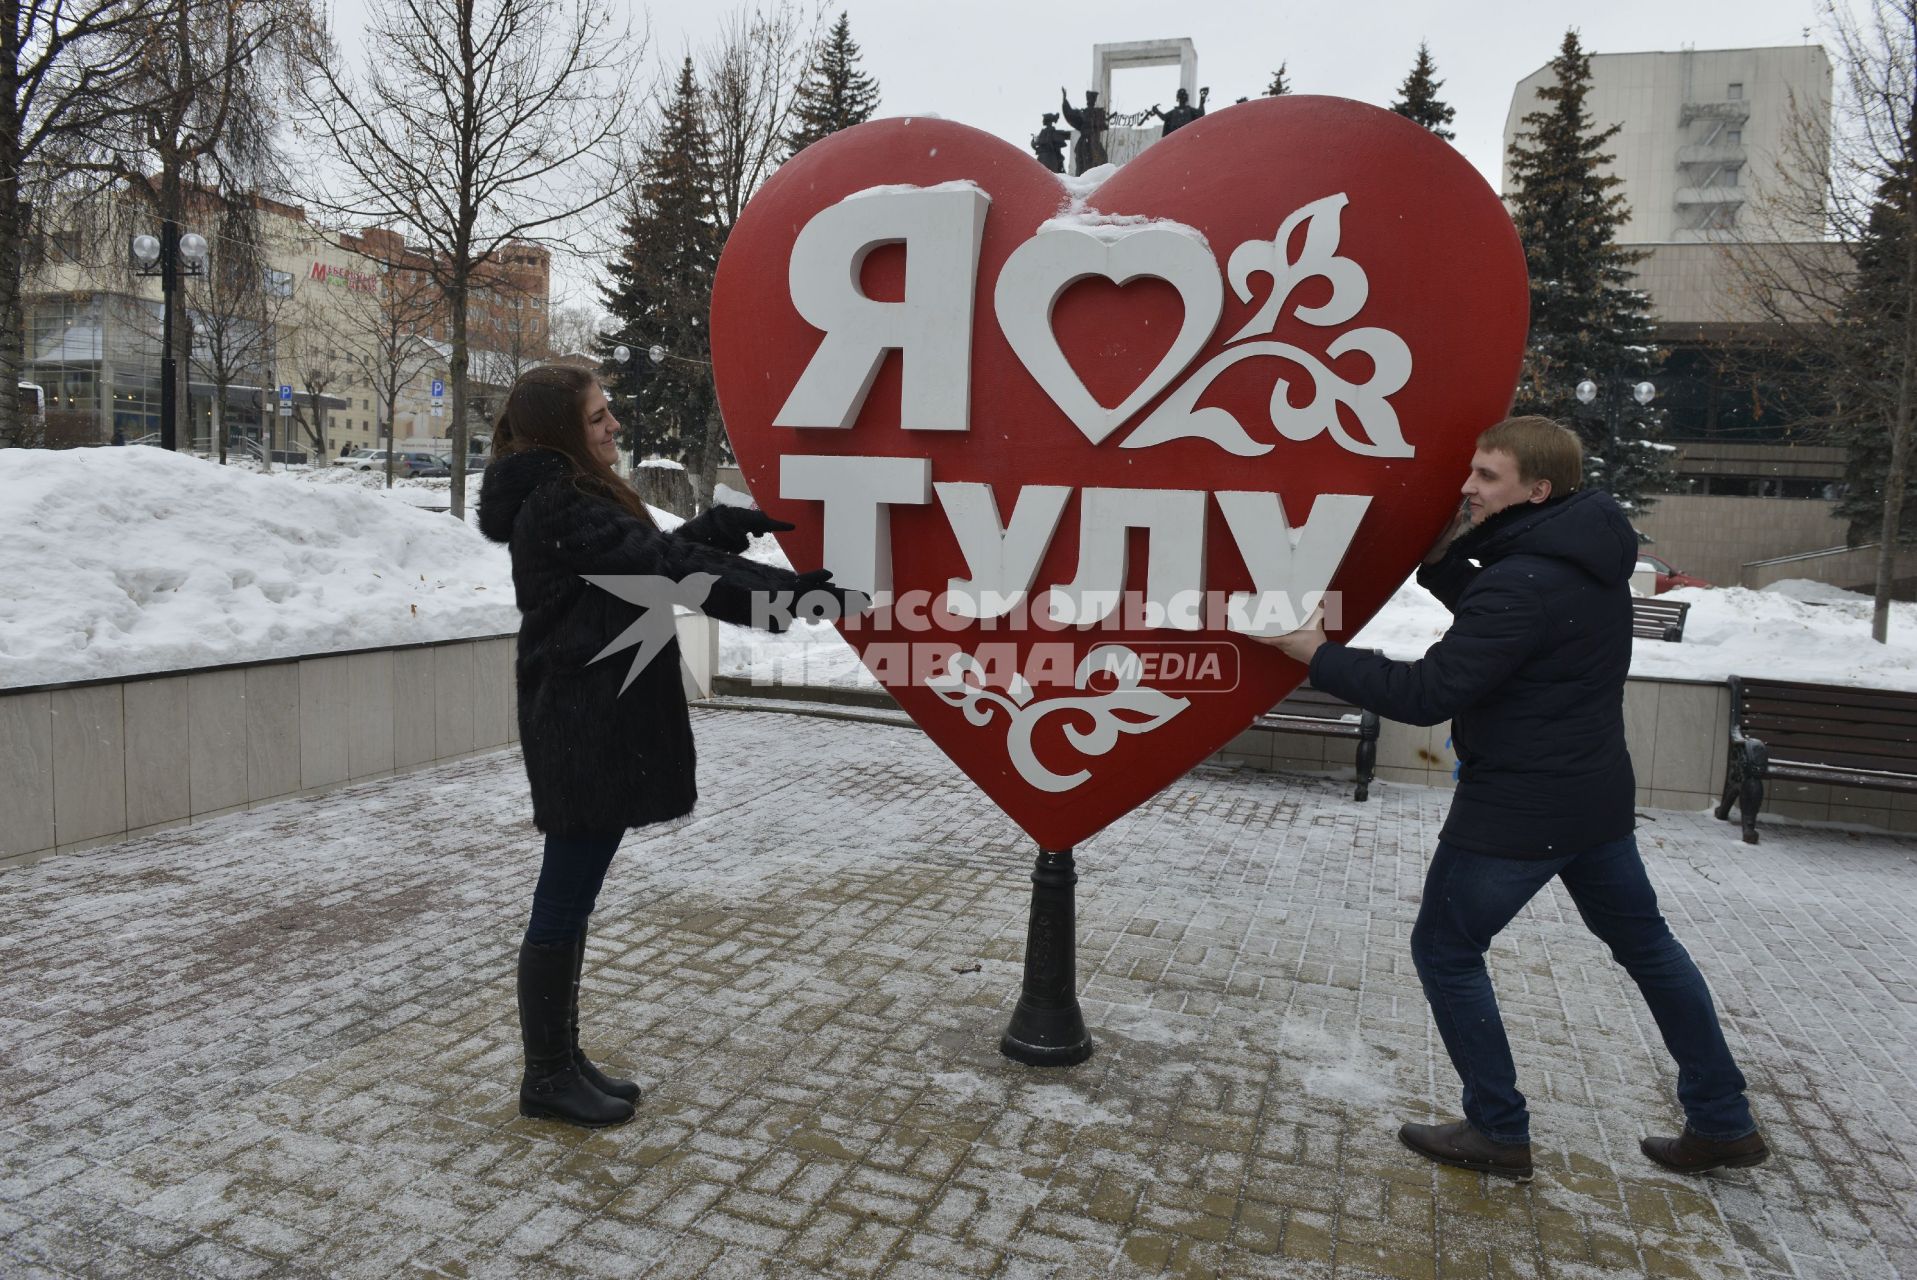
(1689, 1153)
(1463, 1147)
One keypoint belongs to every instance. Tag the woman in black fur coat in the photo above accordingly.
(605, 750)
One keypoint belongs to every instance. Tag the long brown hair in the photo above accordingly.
(546, 409)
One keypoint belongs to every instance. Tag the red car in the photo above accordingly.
(1668, 578)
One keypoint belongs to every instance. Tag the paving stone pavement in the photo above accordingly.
(282, 1043)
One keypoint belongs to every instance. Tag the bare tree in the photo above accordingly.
(1831, 261)
(200, 89)
(751, 77)
(317, 365)
(574, 326)
(474, 123)
(514, 337)
(235, 307)
(752, 73)
(62, 67)
(385, 342)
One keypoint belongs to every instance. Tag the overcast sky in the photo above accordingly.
(997, 64)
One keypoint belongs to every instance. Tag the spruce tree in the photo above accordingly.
(836, 94)
(1418, 99)
(1872, 339)
(1587, 321)
(660, 285)
(1279, 85)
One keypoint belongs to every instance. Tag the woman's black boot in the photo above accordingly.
(553, 1088)
(625, 1090)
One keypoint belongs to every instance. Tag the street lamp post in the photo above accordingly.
(169, 257)
(1612, 391)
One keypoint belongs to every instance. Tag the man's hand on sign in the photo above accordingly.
(1299, 645)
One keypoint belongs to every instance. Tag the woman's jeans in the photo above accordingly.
(569, 880)
(1469, 897)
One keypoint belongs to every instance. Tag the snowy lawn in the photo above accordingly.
(126, 561)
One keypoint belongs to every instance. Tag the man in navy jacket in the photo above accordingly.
(1531, 675)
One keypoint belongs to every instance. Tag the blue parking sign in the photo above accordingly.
(286, 393)
(439, 388)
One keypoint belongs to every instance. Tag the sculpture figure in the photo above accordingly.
(1089, 151)
(1182, 114)
(1048, 144)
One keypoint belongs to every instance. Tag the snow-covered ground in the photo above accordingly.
(125, 561)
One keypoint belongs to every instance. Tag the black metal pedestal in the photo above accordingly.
(1047, 1029)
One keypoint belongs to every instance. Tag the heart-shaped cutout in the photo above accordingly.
(1039, 272)
(1310, 439)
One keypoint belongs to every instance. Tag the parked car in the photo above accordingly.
(406, 462)
(439, 468)
(1668, 578)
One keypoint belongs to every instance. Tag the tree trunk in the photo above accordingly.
(392, 433)
(13, 232)
(456, 371)
(172, 198)
(219, 426)
(1893, 511)
(1900, 430)
(702, 467)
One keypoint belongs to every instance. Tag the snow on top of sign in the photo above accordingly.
(1116, 226)
(899, 188)
(1079, 186)
(1072, 215)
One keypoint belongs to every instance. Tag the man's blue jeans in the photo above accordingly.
(1469, 897)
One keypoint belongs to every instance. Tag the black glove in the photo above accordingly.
(730, 529)
(846, 601)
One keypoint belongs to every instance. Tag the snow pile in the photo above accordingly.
(125, 561)
(1734, 631)
(433, 492)
(1811, 592)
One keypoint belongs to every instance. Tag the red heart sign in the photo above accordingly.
(1084, 444)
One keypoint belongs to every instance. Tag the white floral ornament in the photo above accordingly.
(1179, 418)
(963, 686)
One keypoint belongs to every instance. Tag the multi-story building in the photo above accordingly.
(1701, 132)
(1709, 144)
(315, 324)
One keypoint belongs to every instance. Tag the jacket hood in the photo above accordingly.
(507, 484)
(1587, 529)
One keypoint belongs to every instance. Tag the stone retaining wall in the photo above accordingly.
(96, 761)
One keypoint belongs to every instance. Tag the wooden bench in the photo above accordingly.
(1827, 733)
(1654, 619)
(1320, 714)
